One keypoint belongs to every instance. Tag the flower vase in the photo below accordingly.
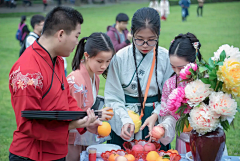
(208, 147)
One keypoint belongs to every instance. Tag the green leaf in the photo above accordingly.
(192, 71)
(213, 84)
(225, 125)
(202, 69)
(219, 87)
(222, 55)
(211, 63)
(238, 109)
(186, 123)
(166, 156)
(205, 80)
(220, 63)
(212, 76)
(198, 105)
(209, 68)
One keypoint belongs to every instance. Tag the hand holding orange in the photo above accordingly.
(104, 129)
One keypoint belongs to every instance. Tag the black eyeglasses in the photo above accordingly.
(141, 42)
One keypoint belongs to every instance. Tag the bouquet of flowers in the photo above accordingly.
(208, 100)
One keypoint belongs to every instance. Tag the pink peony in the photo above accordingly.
(175, 100)
(185, 73)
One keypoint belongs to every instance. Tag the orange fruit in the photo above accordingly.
(152, 156)
(110, 115)
(104, 129)
(185, 129)
(112, 157)
(130, 157)
(173, 151)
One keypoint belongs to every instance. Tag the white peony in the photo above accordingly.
(196, 92)
(231, 52)
(222, 105)
(202, 120)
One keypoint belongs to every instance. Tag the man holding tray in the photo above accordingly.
(37, 82)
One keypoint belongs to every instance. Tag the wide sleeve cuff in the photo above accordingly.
(169, 123)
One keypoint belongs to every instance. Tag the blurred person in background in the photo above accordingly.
(119, 33)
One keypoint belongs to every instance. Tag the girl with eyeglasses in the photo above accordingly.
(127, 80)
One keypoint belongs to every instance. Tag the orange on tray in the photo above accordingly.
(112, 157)
(130, 157)
(152, 156)
(104, 129)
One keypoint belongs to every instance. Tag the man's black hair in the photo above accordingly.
(36, 19)
(122, 17)
(61, 18)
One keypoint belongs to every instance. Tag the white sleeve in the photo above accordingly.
(115, 97)
(169, 123)
(30, 40)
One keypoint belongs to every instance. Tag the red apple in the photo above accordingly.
(158, 132)
(138, 147)
(121, 158)
(149, 147)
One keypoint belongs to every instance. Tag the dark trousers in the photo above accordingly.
(199, 7)
(13, 157)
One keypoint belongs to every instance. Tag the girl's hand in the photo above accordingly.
(125, 134)
(158, 133)
(92, 128)
(106, 114)
(150, 122)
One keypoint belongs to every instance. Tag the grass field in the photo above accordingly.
(219, 25)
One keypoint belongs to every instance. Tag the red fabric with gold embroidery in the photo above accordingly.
(29, 79)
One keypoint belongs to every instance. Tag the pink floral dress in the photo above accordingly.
(182, 141)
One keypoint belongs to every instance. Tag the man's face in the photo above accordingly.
(39, 27)
(123, 25)
(69, 41)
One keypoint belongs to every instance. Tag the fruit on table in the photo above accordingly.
(137, 147)
(173, 151)
(121, 158)
(149, 147)
(112, 157)
(152, 156)
(158, 132)
(136, 120)
(130, 157)
(110, 115)
(104, 129)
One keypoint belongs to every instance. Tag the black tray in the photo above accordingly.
(57, 115)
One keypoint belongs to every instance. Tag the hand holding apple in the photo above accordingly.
(157, 132)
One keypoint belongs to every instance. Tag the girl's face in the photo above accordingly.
(177, 63)
(99, 63)
(143, 36)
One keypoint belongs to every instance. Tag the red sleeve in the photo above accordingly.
(117, 46)
(26, 94)
(73, 107)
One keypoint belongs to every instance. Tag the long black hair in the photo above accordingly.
(93, 44)
(182, 46)
(142, 19)
(23, 19)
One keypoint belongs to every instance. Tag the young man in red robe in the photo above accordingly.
(37, 82)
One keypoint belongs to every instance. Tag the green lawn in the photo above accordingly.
(220, 25)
